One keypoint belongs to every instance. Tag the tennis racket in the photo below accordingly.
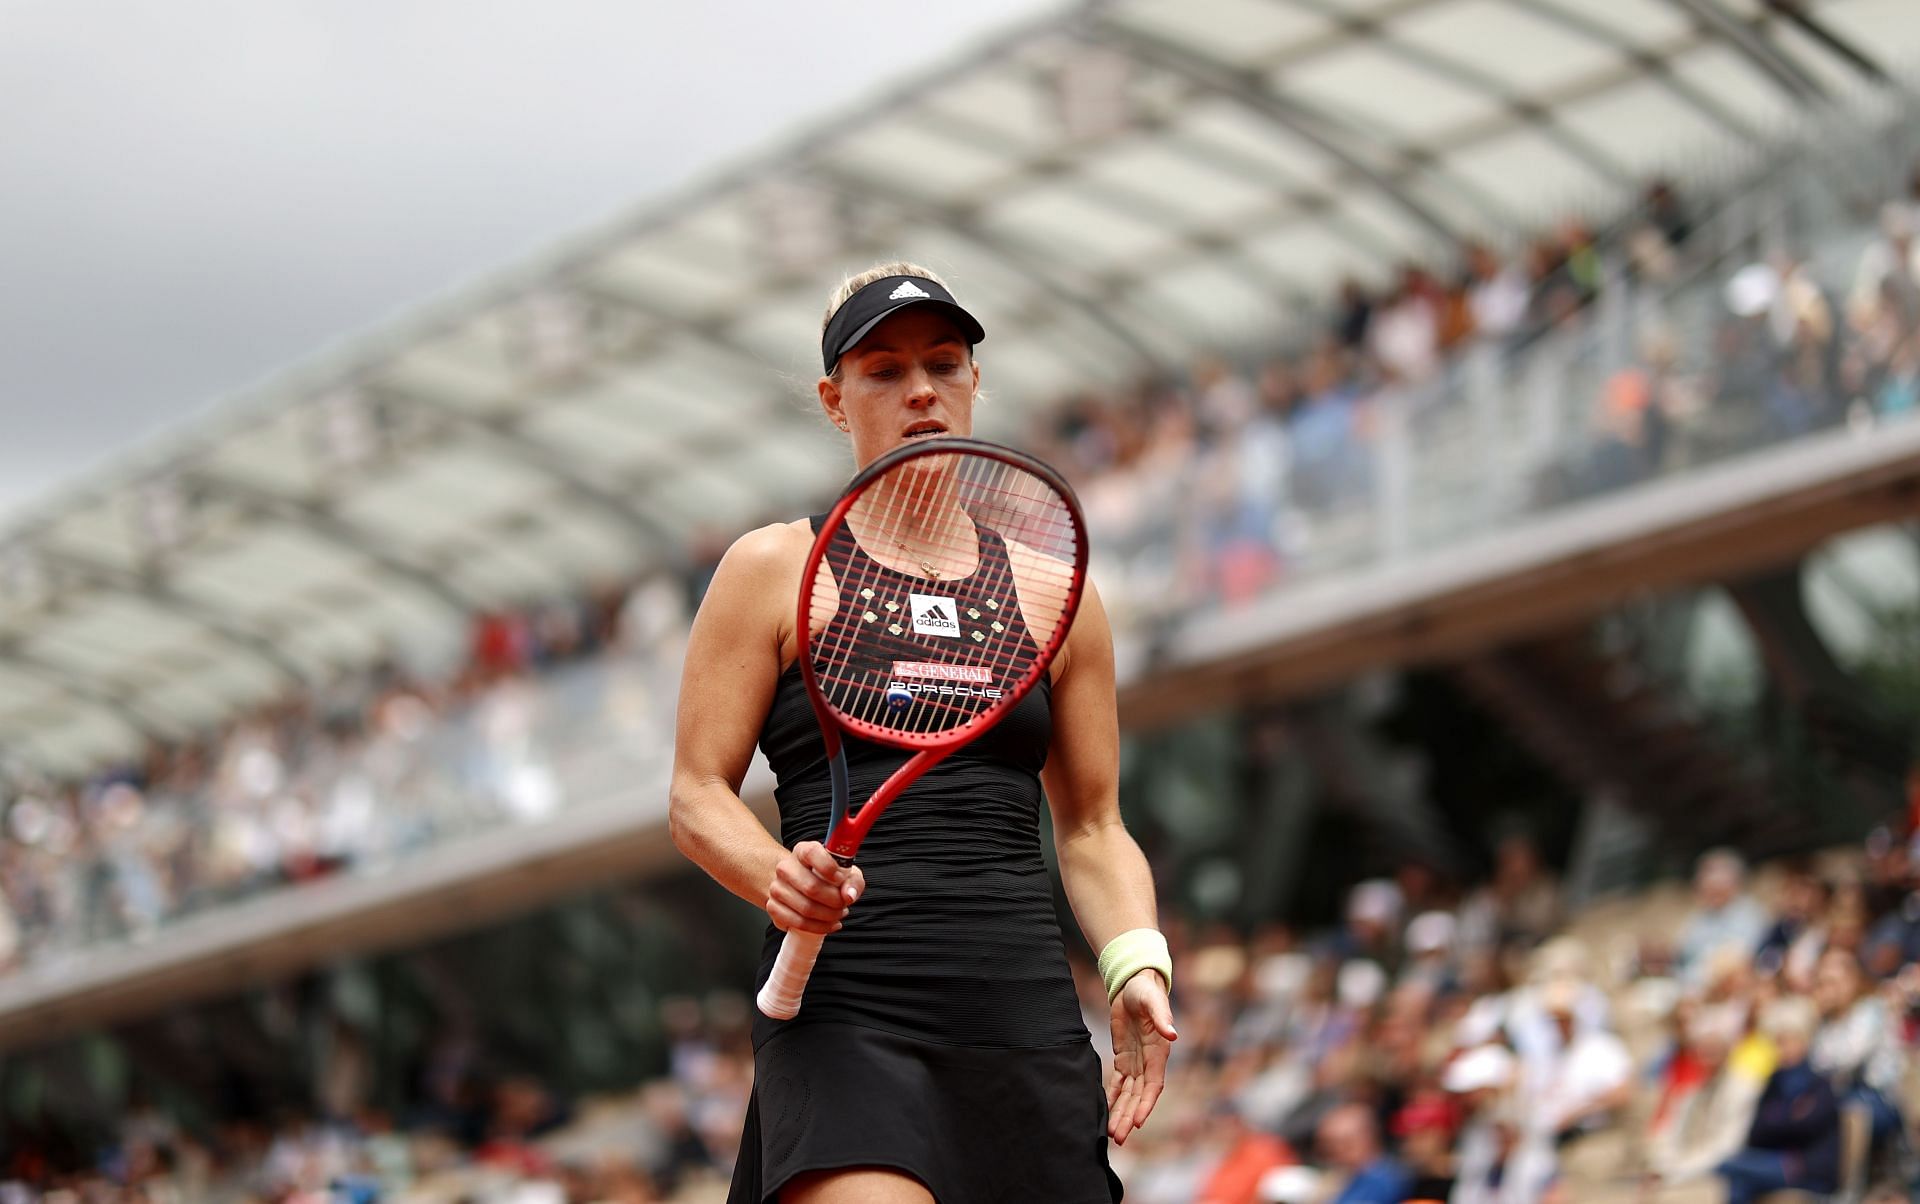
(935, 596)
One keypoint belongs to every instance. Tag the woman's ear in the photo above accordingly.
(830, 402)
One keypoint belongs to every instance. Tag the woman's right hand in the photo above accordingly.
(811, 892)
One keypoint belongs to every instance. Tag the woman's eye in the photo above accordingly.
(945, 368)
(885, 373)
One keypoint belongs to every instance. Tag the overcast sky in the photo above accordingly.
(196, 192)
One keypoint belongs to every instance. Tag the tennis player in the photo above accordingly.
(940, 1053)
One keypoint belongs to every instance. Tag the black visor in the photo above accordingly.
(879, 301)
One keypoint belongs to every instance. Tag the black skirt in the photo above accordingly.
(975, 1125)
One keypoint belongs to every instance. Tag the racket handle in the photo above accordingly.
(780, 998)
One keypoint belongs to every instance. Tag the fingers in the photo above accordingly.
(811, 892)
(1142, 1029)
(805, 918)
(1152, 1083)
(1120, 1116)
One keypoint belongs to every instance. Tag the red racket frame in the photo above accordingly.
(843, 839)
(780, 997)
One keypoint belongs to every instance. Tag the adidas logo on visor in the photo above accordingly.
(909, 289)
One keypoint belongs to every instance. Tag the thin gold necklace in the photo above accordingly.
(926, 568)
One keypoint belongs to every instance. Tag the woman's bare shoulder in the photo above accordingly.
(770, 550)
(760, 563)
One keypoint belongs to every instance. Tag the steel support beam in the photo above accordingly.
(1654, 66)
(1800, 15)
(1753, 46)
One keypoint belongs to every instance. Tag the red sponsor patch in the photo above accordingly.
(978, 675)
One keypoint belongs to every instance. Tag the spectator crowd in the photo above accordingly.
(1211, 489)
(1440, 1045)
(1475, 1046)
(1480, 1048)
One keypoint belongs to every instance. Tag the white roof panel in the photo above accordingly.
(1367, 84)
(1520, 51)
(1152, 169)
(1529, 172)
(918, 159)
(1641, 127)
(1721, 73)
(1010, 103)
(1886, 28)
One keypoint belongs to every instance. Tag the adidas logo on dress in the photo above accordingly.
(934, 615)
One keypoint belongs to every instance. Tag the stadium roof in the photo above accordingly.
(1109, 188)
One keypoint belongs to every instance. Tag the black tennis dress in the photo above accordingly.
(940, 1034)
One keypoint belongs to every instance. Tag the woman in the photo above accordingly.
(1794, 1140)
(1857, 1046)
(940, 1053)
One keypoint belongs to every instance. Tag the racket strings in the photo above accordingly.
(921, 668)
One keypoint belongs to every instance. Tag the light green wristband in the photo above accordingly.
(1131, 952)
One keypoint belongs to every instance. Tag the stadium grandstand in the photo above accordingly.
(1499, 426)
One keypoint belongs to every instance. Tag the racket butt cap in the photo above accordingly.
(779, 999)
(774, 1007)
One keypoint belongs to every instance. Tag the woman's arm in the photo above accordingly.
(733, 663)
(1105, 874)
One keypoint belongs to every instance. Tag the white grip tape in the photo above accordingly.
(780, 998)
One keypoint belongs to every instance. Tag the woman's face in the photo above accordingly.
(1836, 983)
(912, 375)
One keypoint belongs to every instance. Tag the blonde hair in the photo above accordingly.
(1793, 1016)
(859, 280)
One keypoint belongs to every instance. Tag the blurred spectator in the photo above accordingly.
(1373, 924)
(1574, 1077)
(1795, 1138)
(1519, 906)
(1658, 233)
(1353, 314)
(1250, 1157)
(1704, 1122)
(1724, 914)
(1430, 942)
(1425, 1130)
(1856, 1047)
(1497, 294)
(1481, 1081)
(1798, 935)
(1349, 1142)
(1404, 337)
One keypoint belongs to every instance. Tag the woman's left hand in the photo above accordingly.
(1142, 1031)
